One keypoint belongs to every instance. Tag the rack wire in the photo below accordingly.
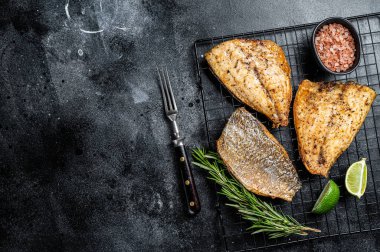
(351, 215)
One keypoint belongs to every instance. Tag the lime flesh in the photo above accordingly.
(356, 178)
(328, 198)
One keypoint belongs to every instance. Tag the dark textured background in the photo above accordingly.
(85, 157)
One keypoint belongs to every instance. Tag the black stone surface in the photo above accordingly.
(85, 156)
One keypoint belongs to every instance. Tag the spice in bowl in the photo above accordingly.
(335, 47)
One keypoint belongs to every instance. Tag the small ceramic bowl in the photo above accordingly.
(354, 34)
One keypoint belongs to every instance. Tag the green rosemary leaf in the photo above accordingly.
(263, 216)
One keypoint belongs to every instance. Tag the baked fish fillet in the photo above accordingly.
(256, 73)
(327, 117)
(255, 158)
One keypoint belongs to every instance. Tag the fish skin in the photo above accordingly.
(256, 159)
(327, 116)
(256, 73)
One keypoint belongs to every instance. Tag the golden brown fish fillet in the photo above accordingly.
(255, 158)
(256, 73)
(327, 117)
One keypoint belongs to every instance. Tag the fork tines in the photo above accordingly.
(167, 92)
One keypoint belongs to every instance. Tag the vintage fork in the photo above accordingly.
(192, 200)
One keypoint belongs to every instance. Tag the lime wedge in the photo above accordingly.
(328, 198)
(356, 178)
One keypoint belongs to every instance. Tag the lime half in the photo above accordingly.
(328, 198)
(356, 178)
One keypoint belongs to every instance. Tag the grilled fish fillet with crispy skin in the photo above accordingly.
(327, 117)
(256, 159)
(256, 73)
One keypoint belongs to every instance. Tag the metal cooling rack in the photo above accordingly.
(351, 215)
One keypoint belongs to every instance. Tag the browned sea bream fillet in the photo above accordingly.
(256, 73)
(327, 117)
(255, 158)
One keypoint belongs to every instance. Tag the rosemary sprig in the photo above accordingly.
(263, 216)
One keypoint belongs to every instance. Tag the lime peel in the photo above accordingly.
(328, 198)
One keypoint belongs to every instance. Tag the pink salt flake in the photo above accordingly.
(335, 47)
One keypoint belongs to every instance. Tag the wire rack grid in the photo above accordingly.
(351, 215)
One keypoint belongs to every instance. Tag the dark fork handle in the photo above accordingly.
(192, 200)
